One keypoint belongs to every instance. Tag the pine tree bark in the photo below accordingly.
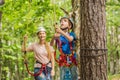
(93, 52)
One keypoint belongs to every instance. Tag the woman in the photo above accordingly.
(44, 54)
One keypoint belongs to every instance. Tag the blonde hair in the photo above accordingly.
(47, 46)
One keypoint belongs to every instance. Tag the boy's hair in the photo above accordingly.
(69, 19)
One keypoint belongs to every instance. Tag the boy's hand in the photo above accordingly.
(56, 25)
(58, 30)
(56, 35)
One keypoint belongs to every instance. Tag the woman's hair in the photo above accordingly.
(47, 46)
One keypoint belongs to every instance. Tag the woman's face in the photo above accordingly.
(42, 35)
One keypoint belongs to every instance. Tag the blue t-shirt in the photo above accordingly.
(65, 44)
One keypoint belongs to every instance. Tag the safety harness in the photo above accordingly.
(43, 67)
(64, 59)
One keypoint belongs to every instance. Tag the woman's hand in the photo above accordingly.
(24, 43)
(25, 37)
(52, 72)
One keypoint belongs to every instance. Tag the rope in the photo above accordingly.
(43, 67)
(90, 49)
(54, 11)
(93, 55)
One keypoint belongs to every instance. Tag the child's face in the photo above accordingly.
(42, 35)
(64, 23)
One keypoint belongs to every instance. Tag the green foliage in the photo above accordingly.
(113, 30)
(112, 13)
(114, 77)
(22, 17)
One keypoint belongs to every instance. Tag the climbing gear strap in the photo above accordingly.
(35, 74)
(64, 60)
(43, 67)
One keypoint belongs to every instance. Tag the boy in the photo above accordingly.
(65, 42)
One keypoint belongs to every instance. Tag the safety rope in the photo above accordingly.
(54, 11)
(43, 67)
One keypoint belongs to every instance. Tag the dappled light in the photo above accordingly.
(95, 38)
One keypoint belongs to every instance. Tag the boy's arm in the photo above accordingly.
(56, 35)
(52, 41)
(70, 38)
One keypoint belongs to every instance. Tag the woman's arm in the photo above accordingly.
(23, 48)
(53, 64)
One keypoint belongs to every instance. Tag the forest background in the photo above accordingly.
(20, 17)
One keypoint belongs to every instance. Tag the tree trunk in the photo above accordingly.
(112, 70)
(2, 2)
(93, 56)
(0, 47)
(117, 62)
